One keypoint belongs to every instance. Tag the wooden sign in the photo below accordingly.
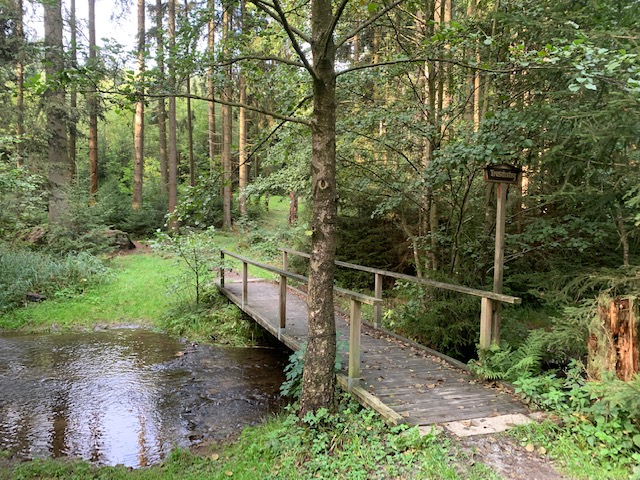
(502, 173)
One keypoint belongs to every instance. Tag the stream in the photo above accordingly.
(128, 395)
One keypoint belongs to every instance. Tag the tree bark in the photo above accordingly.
(211, 88)
(318, 379)
(92, 105)
(227, 191)
(161, 107)
(243, 160)
(20, 80)
(56, 110)
(73, 97)
(192, 164)
(138, 123)
(173, 147)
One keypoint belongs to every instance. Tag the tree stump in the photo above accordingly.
(613, 342)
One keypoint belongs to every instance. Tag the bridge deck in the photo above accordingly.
(399, 379)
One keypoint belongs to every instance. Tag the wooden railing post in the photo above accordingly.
(355, 328)
(283, 302)
(486, 315)
(285, 260)
(377, 308)
(245, 290)
(222, 268)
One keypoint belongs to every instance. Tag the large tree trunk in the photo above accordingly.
(318, 380)
(173, 147)
(20, 80)
(92, 105)
(161, 108)
(210, 88)
(243, 161)
(56, 108)
(138, 124)
(227, 168)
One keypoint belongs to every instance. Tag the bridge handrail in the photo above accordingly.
(362, 298)
(423, 281)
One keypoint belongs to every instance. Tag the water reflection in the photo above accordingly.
(123, 396)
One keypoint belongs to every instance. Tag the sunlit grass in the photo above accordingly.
(136, 293)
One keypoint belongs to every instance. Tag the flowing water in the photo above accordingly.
(127, 396)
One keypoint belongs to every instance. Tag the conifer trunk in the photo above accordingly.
(138, 123)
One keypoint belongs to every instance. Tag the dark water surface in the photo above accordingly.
(127, 396)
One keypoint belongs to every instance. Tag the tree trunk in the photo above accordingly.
(318, 379)
(227, 191)
(56, 108)
(293, 208)
(138, 123)
(192, 164)
(161, 108)
(20, 80)
(243, 161)
(173, 146)
(92, 105)
(73, 97)
(210, 88)
(613, 343)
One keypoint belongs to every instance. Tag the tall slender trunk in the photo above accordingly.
(161, 107)
(73, 97)
(92, 105)
(192, 165)
(211, 87)
(243, 159)
(318, 380)
(173, 147)
(227, 190)
(56, 110)
(20, 80)
(138, 124)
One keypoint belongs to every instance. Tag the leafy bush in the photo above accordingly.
(23, 271)
(602, 418)
(445, 321)
(22, 201)
(198, 251)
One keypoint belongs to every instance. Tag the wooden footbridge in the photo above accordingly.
(403, 381)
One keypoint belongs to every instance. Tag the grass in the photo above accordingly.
(137, 293)
(575, 460)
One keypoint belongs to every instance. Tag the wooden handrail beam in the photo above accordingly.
(362, 298)
(423, 281)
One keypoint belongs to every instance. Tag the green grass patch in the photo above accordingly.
(136, 293)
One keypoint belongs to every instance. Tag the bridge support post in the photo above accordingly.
(285, 260)
(486, 317)
(222, 268)
(355, 327)
(245, 290)
(283, 302)
(377, 308)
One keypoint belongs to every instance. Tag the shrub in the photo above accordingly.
(23, 271)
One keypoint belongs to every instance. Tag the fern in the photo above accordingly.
(505, 364)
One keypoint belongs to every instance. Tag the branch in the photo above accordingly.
(266, 58)
(334, 23)
(278, 127)
(371, 20)
(441, 60)
(252, 108)
(280, 17)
